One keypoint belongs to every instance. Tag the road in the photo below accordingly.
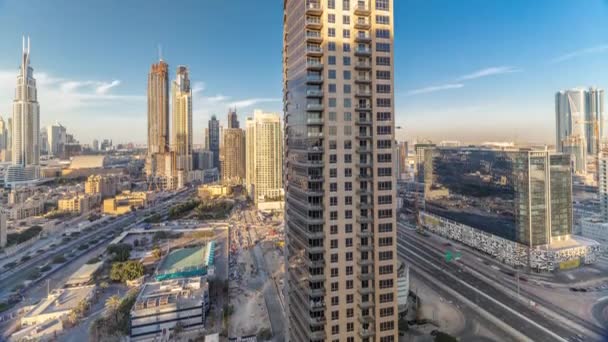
(271, 296)
(522, 318)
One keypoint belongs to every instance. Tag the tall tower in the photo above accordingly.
(341, 203)
(233, 119)
(182, 120)
(158, 115)
(264, 156)
(233, 156)
(213, 136)
(26, 123)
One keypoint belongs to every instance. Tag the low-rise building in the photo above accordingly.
(161, 305)
(79, 203)
(58, 304)
(31, 207)
(124, 202)
(106, 185)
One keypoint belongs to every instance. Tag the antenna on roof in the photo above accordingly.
(160, 52)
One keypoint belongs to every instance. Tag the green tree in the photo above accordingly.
(128, 270)
(157, 252)
(112, 306)
(120, 251)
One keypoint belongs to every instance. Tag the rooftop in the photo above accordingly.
(170, 294)
(61, 300)
(184, 262)
(83, 274)
(572, 242)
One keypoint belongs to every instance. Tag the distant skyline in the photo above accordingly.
(470, 70)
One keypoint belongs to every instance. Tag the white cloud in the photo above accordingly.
(251, 102)
(579, 53)
(433, 89)
(198, 87)
(492, 71)
(104, 87)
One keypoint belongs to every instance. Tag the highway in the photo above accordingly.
(523, 319)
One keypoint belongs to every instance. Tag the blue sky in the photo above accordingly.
(473, 70)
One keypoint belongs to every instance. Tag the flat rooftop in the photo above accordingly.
(170, 294)
(61, 300)
(84, 274)
(187, 262)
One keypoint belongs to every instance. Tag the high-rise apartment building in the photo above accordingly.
(213, 136)
(232, 156)
(580, 123)
(25, 125)
(3, 135)
(264, 156)
(57, 138)
(3, 227)
(233, 119)
(106, 186)
(603, 184)
(158, 120)
(182, 121)
(95, 145)
(6, 155)
(340, 187)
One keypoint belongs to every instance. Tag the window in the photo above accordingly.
(331, 32)
(332, 102)
(335, 329)
(384, 144)
(385, 227)
(389, 338)
(348, 200)
(383, 116)
(331, 60)
(386, 269)
(383, 61)
(333, 215)
(347, 144)
(332, 87)
(346, 47)
(385, 199)
(349, 297)
(331, 74)
(334, 272)
(333, 201)
(346, 5)
(383, 33)
(350, 312)
(347, 116)
(335, 315)
(347, 89)
(348, 214)
(349, 257)
(331, 4)
(331, 46)
(331, 18)
(346, 33)
(333, 187)
(332, 143)
(383, 47)
(348, 186)
(385, 242)
(384, 158)
(346, 60)
(383, 186)
(383, 88)
(383, 75)
(345, 20)
(332, 116)
(383, 19)
(347, 103)
(382, 130)
(333, 173)
(386, 255)
(382, 5)
(348, 158)
(386, 297)
(385, 172)
(385, 326)
(333, 229)
(349, 243)
(385, 213)
(350, 327)
(348, 172)
(383, 103)
(385, 312)
(333, 158)
(347, 74)
(333, 244)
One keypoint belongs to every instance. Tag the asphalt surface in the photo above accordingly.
(449, 274)
(271, 296)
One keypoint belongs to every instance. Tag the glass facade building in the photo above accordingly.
(523, 196)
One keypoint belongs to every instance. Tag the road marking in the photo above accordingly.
(547, 331)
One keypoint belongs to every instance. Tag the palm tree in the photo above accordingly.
(112, 305)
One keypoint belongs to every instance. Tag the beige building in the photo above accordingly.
(340, 184)
(106, 186)
(232, 156)
(158, 112)
(79, 203)
(181, 142)
(33, 206)
(123, 203)
(264, 157)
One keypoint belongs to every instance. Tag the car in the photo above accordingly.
(573, 289)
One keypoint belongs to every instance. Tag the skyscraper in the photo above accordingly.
(57, 138)
(264, 156)
(233, 119)
(213, 137)
(580, 124)
(340, 186)
(232, 156)
(158, 116)
(182, 121)
(26, 124)
(3, 135)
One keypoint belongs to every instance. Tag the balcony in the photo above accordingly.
(364, 136)
(315, 178)
(363, 79)
(314, 66)
(314, 8)
(363, 108)
(365, 52)
(317, 305)
(364, 149)
(315, 263)
(367, 319)
(314, 23)
(365, 248)
(363, 24)
(365, 164)
(365, 219)
(316, 249)
(315, 321)
(363, 122)
(315, 292)
(314, 93)
(366, 290)
(316, 107)
(315, 149)
(312, 79)
(317, 335)
(365, 262)
(362, 9)
(363, 93)
(365, 178)
(314, 37)
(366, 333)
(363, 38)
(363, 66)
(365, 205)
(314, 51)
(314, 122)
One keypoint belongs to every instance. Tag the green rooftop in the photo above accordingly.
(183, 259)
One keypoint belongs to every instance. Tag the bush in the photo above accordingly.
(120, 251)
(129, 270)
(156, 218)
(17, 238)
(181, 209)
